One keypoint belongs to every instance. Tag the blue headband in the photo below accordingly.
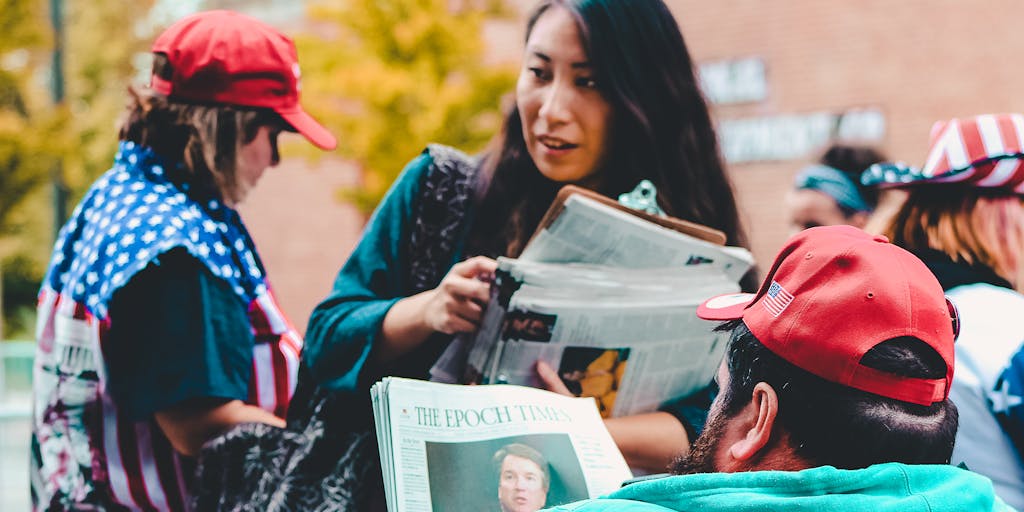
(834, 183)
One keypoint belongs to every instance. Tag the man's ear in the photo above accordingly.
(758, 417)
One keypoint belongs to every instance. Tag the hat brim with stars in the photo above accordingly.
(985, 151)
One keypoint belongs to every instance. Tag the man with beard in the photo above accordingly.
(834, 392)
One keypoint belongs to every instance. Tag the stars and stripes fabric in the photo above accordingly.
(777, 299)
(87, 453)
(983, 151)
(132, 214)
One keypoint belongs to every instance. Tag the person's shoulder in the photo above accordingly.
(985, 294)
(439, 154)
(608, 504)
(437, 159)
(443, 169)
(624, 498)
(447, 164)
(985, 310)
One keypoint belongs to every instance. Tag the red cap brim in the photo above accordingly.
(309, 128)
(725, 307)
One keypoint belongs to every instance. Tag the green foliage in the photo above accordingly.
(20, 23)
(103, 40)
(20, 286)
(38, 140)
(22, 139)
(20, 172)
(34, 134)
(390, 76)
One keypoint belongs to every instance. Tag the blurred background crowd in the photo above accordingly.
(784, 81)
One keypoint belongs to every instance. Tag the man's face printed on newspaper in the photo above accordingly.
(522, 487)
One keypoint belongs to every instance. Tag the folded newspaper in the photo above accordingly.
(458, 448)
(608, 299)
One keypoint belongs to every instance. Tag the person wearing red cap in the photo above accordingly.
(157, 327)
(606, 97)
(964, 216)
(834, 392)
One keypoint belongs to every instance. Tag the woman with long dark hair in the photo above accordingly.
(606, 97)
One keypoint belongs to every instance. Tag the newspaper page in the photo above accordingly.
(599, 288)
(630, 339)
(459, 448)
(587, 231)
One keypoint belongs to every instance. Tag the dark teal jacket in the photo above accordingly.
(346, 324)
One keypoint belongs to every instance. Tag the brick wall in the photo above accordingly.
(917, 60)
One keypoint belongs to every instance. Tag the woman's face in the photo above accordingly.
(565, 118)
(808, 208)
(254, 158)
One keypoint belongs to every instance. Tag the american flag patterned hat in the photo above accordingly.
(983, 151)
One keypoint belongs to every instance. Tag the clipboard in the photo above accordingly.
(693, 229)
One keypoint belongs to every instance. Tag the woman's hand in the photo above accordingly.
(457, 304)
(550, 379)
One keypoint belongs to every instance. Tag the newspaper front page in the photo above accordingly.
(609, 301)
(631, 339)
(472, 448)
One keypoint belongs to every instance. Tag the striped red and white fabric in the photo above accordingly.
(985, 151)
(134, 465)
(275, 361)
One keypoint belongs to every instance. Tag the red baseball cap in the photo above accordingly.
(835, 292)
(229, 58)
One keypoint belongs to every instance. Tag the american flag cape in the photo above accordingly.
(84, 452)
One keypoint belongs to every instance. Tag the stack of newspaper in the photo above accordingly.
(607, 298)
(470, 448)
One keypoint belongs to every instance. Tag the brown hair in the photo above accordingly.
(202, 138)
(970, 225)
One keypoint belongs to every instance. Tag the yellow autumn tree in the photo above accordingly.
(104, 42)
(26, 138)
(390, 76)
(40, 142)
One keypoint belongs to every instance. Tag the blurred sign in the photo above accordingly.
(796, 136)
(734, 81)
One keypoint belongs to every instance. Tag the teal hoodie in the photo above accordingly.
(881, 488)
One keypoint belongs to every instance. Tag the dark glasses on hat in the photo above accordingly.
(954, 316)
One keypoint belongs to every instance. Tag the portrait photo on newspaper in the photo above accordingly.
(524, 473)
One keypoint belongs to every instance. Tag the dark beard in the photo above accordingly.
(701, 457)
